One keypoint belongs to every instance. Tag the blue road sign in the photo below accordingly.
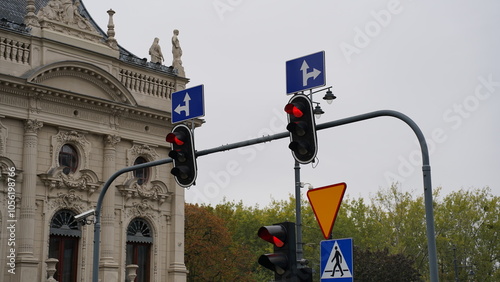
(305, 73)
(336, 260)
(188, 104)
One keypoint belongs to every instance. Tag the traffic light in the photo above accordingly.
(183, 154)
(283, 261)
(302, 129)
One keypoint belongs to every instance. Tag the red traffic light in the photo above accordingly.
(293, 109)
(274, 234)
(175, 138)
(302, 128)
(283, 260)
(183, 155)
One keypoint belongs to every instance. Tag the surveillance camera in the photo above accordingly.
(84, 215)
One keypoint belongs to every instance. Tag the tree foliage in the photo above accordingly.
(210, 254)
(468, 230)
(388, 230)
(380, 265)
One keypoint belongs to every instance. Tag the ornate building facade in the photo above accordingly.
(75, 107)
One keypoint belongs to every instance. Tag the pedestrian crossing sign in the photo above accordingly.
(337, 260)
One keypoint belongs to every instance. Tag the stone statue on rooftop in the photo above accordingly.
(177, 53)
(155, 52)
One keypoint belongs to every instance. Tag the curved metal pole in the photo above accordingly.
(97, 213)
(426, 169)
(429, 214)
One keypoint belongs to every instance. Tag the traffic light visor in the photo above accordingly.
(275, 235)
(174, 138)
(292, 109)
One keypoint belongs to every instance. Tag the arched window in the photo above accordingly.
(68, 158)
(139, 241)
(65, 235)
(142, 174)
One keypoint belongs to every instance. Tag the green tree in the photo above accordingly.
(404, 224)
(244, 222)
(467, 228)
(391, 225)
(382, 266)
(210, 254)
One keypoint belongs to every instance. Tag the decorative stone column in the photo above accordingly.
(108, 267)
(177, 269)
(26, 263)
(111, 31)
(30, 19)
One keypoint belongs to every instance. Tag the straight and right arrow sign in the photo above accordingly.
(305, 73)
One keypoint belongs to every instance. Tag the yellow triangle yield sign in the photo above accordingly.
(325, 202)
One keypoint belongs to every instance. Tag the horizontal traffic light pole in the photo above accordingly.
(431, 241)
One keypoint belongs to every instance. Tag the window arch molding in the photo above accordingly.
(140, 230)
(63, 223)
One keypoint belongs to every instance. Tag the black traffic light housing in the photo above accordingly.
(283, 260)
(183, 155)
(302, 128)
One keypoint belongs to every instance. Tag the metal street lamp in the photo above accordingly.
(318, 111)
(329, 97)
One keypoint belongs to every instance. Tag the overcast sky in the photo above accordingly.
(436, 62)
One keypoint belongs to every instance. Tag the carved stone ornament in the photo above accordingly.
(32, 125)
(141, 209)
(71, 200)
(8, 170)
(111, 140)
(83, 180)
(154, 191)
(64, 16)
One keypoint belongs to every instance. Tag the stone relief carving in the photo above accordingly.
(64, 16)
(65, 11)
(154, 191)
(142, 209)
(83, 180)
(32, 125)
(5, 171)
(34, 103)
(68, 200)
(111, 140)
